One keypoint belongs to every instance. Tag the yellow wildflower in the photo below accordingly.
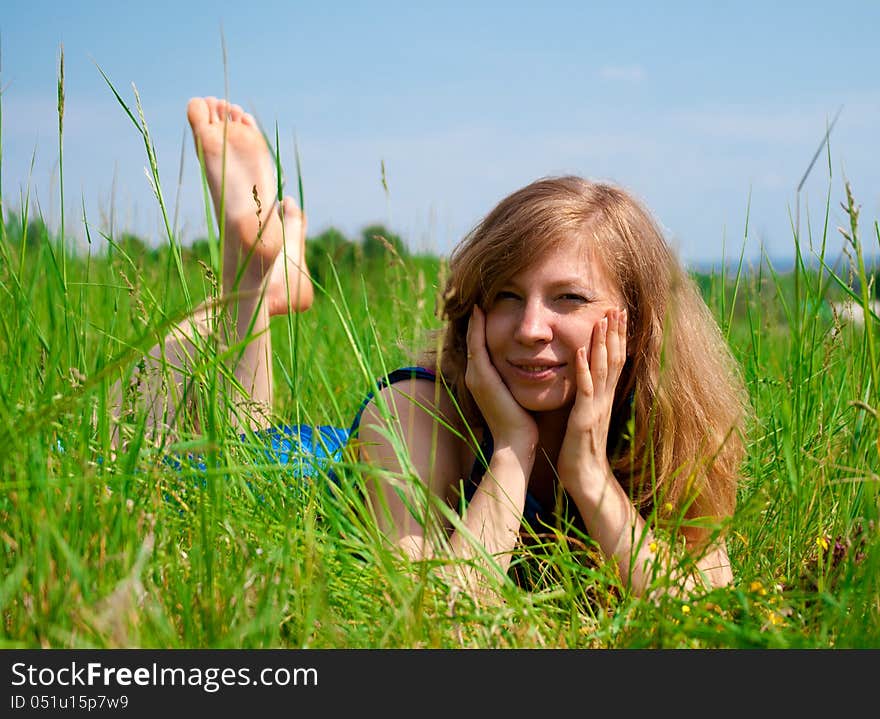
(776, 619)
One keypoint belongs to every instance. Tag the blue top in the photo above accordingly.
(314, 448)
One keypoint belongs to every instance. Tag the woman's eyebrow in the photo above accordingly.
(572, 281)
(579, 283)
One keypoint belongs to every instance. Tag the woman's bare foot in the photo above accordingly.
(248, 171)
(288, 284)
(245, 194)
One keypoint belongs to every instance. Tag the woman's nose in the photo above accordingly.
(534, 324)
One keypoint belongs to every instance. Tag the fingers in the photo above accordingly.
(583, 374)
(481, 376)
(607, 353)
(473, 331)
(597, 378)
(616, 345)
(477, 354)
(599, 354)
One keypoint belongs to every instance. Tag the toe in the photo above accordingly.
(197, 111)
(219, 110)
(291, 209)
(292, 213)
(223, 110)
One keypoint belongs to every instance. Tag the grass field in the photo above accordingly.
(130, 552)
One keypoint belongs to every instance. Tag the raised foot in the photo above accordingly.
(240, 174)
(288, 284)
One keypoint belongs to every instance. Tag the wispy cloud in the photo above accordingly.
(625, 73)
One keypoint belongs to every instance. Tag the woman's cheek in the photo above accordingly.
(494, 337)
(586, 336)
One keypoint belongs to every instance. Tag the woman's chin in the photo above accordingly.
(543, 404)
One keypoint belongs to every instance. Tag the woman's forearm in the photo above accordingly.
(613, 522)
(493, 516)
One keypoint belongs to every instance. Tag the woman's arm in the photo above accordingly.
(608, 513)
(624, 537)
(490, 523)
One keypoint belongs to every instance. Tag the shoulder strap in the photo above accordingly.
(398, 375)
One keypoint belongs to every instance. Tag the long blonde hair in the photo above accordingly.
(680, 384)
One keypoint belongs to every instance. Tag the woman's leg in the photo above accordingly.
(264, 273)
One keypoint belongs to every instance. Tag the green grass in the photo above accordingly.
(129, 552)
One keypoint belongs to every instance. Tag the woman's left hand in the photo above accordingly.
(583, 455)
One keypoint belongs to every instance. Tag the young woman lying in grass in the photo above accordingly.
(580, 377)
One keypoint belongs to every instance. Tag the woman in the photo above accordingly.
(578, 365)
(568, 320)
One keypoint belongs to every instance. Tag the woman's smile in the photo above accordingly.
(537, 370)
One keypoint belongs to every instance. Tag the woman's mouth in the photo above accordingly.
(536, 371)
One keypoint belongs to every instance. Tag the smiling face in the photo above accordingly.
(541, 317)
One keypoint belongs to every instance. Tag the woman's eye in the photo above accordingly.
(505, 295)
(573, 297)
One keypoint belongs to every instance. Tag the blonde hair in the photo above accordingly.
(680, 384)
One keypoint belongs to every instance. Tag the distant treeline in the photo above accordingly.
(375, 248)
(375, 245)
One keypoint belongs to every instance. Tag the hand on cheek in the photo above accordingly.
(508, 422)
(598, 366)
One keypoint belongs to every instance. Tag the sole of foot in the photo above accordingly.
(239, 172)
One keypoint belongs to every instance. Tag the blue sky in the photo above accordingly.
(705, 111)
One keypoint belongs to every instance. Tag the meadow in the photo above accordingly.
(112, 551)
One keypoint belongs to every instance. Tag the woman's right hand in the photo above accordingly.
(510, 424)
